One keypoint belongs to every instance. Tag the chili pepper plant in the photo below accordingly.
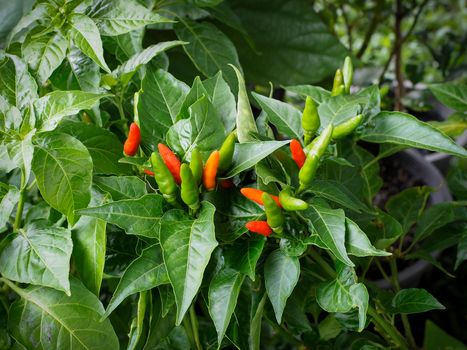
(138, 212)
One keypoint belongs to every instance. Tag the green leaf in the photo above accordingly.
(243, 254)
(414, 300)
(84, 70)
(39, 254)
(104, 146)
(338, 193)
(335, 296)
(246, 155)
(357, 242)
(329, 224)
(203, 130)
(9, 195)
(115, 17)
(89, 244)
(44, 54)
(86, 37)
(281, 273)
(439, 215)
(292, 44)
(56, 105)
(382, 229)
(317, 93)
(284, 116)
(144, 273)
(125, 71)
(245, 119)
(452, 95)
(339, 109)
(159, 103)
(222, 99)
(187, 245)
(360, 299)
(70, 322)
(233, 211)
(121, 187)
(16, 84)
(223, 294)
(138, 323)
(63, 169)
(40, 12)
(404, 129)
(408, 205)
(139, 216)
(209, 49)
(437, 339)
(196, 92)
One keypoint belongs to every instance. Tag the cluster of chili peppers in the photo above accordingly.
(173, 177)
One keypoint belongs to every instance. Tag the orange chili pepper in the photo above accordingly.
(255, 195)
(132, 142)
(210, 171)
(171, 161)
(297, 153)
(259, 227)
(148, 172)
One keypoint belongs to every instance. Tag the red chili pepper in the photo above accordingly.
(255, 195)
(210, 171)
(227, 183)
(297, 153)
(148, 172)
(132, 142)
(171, 161)
(259, 227)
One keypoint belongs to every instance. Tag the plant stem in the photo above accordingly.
(399, 91)
(383, 273)
(189, 332)
(194, 326)
(404, 317)
(388, 330)
(121, 112)
(19, 210)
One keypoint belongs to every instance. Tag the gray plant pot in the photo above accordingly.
(420, 168)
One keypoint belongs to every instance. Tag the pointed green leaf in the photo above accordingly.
(63, 169)
(317, 93)
(39, 254)
(360, 299)
(281, 273)
(243, 255)
(414, 300)
(187, 245)
(139, 216)
(121, 187)
(357, 242)
(9, 197)
(452, 95)
(222, 99)
(335, 296)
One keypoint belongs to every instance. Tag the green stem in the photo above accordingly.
(19, 210)
(386, 329)
(383, 273)
(321, 262)
(189, 332)
(194, 326)
(121, 112)
(404, 317)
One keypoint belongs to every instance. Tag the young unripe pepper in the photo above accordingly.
(310, 120)
(298, 155)
(226, 152)
(256, 195)
(210, 171)
(308, 171)
(189, 188)
(132, 142)
(275, 218)
(164, 178)
(347, 74)
(259, 227)
(347, 127)
(171, 161)
(290, 203)
(338, 87)
(196, 165)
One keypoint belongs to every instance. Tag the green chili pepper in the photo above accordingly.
(347, 74)
(274, 214)
(338, 85)
(310, 119)
(347, 127)
(196, 165)
(226, 152)
(290, 203)
(189, 188)
(308, 171)
(164, 178)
